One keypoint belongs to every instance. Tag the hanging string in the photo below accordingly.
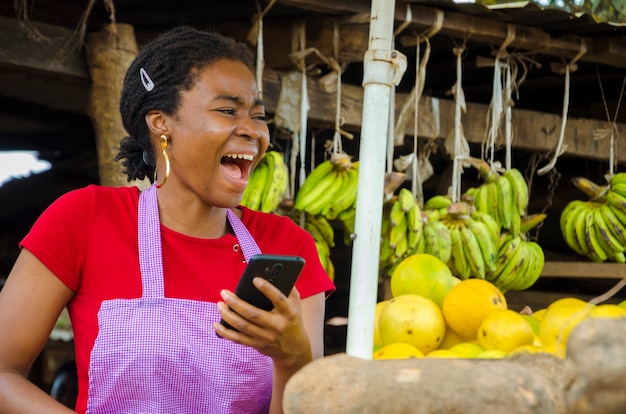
(612, 124)
(459, 106)
(499, 100)
(255, 37)
(569, 67)
(414, 98)
(334, 64)
(391, 125)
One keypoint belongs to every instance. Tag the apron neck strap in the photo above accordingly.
(149, 241)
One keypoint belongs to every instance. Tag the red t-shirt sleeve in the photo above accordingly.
(59, 236)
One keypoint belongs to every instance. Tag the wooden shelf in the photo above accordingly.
(584, 270)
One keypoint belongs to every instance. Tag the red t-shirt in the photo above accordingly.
(88, 239)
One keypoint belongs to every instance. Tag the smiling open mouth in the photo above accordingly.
(237, 166)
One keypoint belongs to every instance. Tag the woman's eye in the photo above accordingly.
(229, 111)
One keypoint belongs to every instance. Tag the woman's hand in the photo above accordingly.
(279, 333)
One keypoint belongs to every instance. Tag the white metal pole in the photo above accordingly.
(378, 79)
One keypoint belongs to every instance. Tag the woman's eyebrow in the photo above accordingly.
(238, 100)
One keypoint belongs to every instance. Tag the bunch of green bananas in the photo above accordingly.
(330, 188)
(503, 196)
(267, 184)
(323, 234)
(518, 263)
(436, 235)
(402, 227)
(596, 228)
(475, 240)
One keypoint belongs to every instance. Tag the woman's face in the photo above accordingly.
(218, 134)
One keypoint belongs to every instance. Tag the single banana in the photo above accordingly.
(492, 201)
(407, 199)
(525, 260)
(568, 224)
(256, 190)
(506, 202)
(596, 250)
(507, 250)
(458, 262)
(414, 219)
(580, 227)
(312, 183)
(520, 189)
(531, 221)
(396, 214)
(535, 269)
(588, 187)
(398, 232)
(619, 188)
(491, 223)
(431, 244)
(604, 235)
(437, 202)
(507, 271)
(473, 252)
(401, 247)
(486, 242)
(618, 178)
(324, 227)
(616, 200)
(615, 225)
(415, 228)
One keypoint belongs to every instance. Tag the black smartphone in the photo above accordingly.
(280, 270)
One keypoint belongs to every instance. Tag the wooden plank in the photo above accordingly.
(50, 54)
(532, 130)
(610, 51)
(584, 270)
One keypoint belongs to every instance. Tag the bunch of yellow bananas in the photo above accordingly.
(330, 188)
(402, 227)
(503, 196)
(475, 239)
(596, 228)
(267, 184)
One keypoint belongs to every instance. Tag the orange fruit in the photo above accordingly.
(560, 318)
(468, 303)
(505, 330)
(414, 320)
(441, 353)
(398, 350)
(607, 310)
(422, 274)
(379, 307)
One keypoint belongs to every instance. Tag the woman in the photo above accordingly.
(147, 276)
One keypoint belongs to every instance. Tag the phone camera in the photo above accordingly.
(276, 270)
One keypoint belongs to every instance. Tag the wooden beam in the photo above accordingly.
(532, 130)
(584, 270)
(605, 50)
(48, 54)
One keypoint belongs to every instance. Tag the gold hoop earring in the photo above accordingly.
(163, 142)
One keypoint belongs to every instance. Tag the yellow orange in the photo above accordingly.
(468, 303)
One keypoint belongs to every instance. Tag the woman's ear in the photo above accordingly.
(156, 123)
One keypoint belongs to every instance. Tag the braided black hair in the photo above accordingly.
(160, 72)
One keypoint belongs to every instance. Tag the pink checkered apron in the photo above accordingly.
(161, 355)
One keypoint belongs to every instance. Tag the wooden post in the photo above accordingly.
(109, 54)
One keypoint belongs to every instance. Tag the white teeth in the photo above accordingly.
(241, 156)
